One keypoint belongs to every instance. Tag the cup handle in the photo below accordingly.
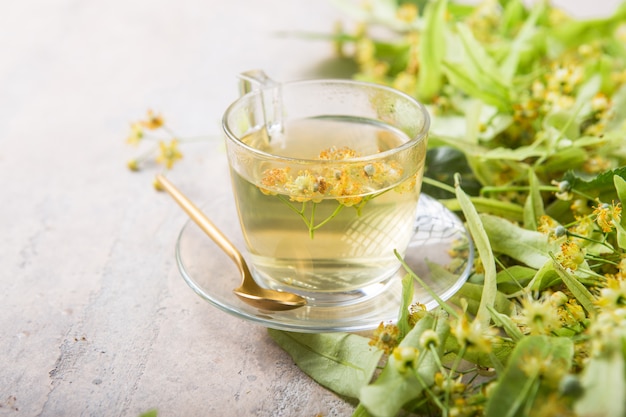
(270, 94)
(254, 80)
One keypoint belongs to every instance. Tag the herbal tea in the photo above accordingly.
(331, 224)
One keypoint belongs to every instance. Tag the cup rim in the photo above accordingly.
(420, 136)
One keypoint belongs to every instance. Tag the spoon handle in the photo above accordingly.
(201, 220)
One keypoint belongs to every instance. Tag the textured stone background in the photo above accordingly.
(95, 319)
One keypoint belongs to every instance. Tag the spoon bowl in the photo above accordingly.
(248, 291)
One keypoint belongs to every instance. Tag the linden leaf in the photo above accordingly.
(341, 362)
(600, 185)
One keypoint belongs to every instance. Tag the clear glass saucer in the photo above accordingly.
(441, 253)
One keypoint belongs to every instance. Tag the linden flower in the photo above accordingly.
(407, 12)
(473, 335)
(335, 154)
(584, 228)
(607, 331)
(606, 214)
(153, 122)
(347, 189)
(571, 255)
(169, 153)
(305, 187)
(405, 358)
(385, 337)
(274, 178)
(550, 369)
(136, 134)
(596, 164)
(539, 316)
(613, 295)
(549, 226)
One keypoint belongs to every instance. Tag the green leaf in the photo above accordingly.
(432, 51)
(602, 184)
(407, 299)
(514, 392)
(472, 293)
(545, 277)
(505, 321)
(360, 411)
(483, 246)
(514, 278)
(393, 388)
(604, 386)
(579, 32)
(533, 207)
(522, 41)
(341, 362)
(580, 292)
(620, 186)
(505, 209)
(526, 246)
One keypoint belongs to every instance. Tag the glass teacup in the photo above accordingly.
(326, 176)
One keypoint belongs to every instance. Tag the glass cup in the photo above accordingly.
(326, 176)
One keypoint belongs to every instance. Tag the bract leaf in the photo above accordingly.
(604, 386)
(407, 298)
(512, 395)
(483, 246)
(580, 292)
(526, 246)
(394, 388)
(620, 187)
(432, 51)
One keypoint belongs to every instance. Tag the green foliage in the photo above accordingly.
(526, 144)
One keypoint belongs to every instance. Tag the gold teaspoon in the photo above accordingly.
(249, 291)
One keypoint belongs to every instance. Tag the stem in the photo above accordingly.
(455, 364)
(312, 221)
(600, 242)
(329, 218)
(491, 189)
(438, 184)
(295, 210)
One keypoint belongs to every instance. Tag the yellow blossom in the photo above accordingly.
(539, 316)
(613, 295)
(606, 214)
(136, 134)
(405, 358)
(273, 178)
(133, 165)
(474, 335)
(571, 255)
(153, 121)
(338, 154)
(407, 12)
(169, 153)
(385, 337)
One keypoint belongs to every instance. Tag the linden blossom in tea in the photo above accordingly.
(334, 226)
